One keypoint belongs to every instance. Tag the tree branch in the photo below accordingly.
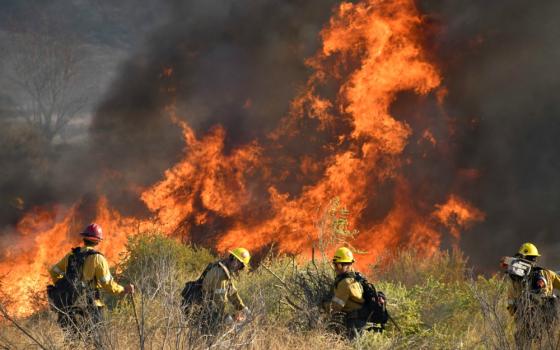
(21, 328)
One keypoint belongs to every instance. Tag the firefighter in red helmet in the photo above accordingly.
(78, 279)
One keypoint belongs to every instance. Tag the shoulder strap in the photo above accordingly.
(365, 283)
(205, 272)
(76, 250)
(224, 267)
(75, 264)
(359, 277)
(76, 260)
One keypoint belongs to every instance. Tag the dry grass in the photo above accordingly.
(435, 302)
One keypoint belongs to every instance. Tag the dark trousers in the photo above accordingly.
(82, 323)
(535, 322)
(351, 324)
(357, 326)
(211, 320)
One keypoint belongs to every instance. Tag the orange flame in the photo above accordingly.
(371, 50)
(456, 214)
(40, 233)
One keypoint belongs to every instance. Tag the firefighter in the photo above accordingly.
(531, 300)
(78, 279)
(348, 300)
(218, 289)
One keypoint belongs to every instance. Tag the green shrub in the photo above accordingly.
(405, 306)
(261, 289)
(287, 292)
(155, 262)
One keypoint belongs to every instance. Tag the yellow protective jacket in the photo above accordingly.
(95, 271)
(219, 288)
(348, 295)
(552, 282)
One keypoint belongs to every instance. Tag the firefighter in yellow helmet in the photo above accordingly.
(531, 298)
(350, 312)
(78, 279)
(218, 290)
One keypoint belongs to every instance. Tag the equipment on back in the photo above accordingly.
(192, 292)
(67, 291)
(374, 308)
(526, 272)
(517, 268)
(374, 302)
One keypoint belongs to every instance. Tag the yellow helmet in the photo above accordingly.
(529, 249)
(343, 255)
(242, 255)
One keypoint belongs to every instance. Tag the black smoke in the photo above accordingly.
(237, 64)
(232, 63)
(500, 60)
(33, 170)
(240, 63)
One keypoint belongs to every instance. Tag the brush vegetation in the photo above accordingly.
(435, 301)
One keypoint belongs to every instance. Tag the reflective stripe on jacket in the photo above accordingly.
(219, 287)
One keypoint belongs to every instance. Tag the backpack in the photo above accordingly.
(374, 308)
(192, 292)
(66, 292)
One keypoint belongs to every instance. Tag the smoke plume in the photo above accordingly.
(488, 134)
(236, 64)
(499, 61)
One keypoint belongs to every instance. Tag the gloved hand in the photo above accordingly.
(503, 263)
(243, 314)
(540, 283)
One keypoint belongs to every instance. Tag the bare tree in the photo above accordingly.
(44, 68)
(6, 106)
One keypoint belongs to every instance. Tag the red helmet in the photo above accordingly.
(93, 232)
